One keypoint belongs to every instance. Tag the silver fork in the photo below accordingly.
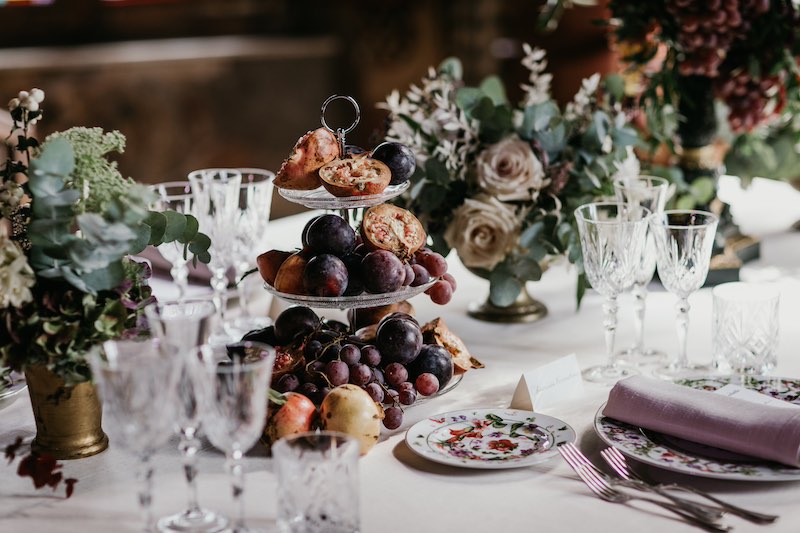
(617, 461)
(597, 483)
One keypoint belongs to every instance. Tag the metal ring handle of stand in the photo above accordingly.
(340, 132)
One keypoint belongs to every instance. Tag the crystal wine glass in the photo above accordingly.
(216, 196)
(175, 196)
(255, 203)
(649, 192)
(138, 389)
(181, 327)
(684, 240)
(612, 238)
(238, 377)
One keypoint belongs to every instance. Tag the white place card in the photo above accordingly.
(549, 384)
(749, 395)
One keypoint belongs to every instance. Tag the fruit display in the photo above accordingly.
(384, 257)
(357, 380)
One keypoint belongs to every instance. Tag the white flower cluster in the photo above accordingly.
(16, 275)
(583, 98)
(10, 197)
(29, 101)
(443, 129)
(537, 90)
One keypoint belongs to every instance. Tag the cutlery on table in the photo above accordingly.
(616, 460)
(602, 488)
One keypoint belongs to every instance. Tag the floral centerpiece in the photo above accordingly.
(70, 224)
(499, 182)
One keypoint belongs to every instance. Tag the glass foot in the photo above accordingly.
(193, 521)
(608, 374)
(673, 371)
(641, 356)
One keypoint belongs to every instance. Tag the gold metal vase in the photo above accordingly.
(524, 309)
(68, 419)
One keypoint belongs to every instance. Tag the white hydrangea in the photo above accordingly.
(16, 275)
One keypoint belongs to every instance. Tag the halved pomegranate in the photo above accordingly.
(393, 228)
(358, 175)
(310, 153)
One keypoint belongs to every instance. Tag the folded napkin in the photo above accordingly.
(763, 431)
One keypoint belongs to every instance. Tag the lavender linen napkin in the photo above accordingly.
(704, 417)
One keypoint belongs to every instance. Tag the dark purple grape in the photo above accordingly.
(324, 391)
(360, 374)
(410, 275)
(392, 417)
(421, 276)
(313, 349)
(287, 383)
(350, 354)
(382, 272)
(427, 384)
(406, 385)
(314, 372)
(390, 396)
(325, 275)
(434, 360)
(399, 158)
(331, 352)
(407, 396)
(338, 373)
(441, 292)
(330, 234)
(375, 392)
(433, 262)
(336, 326)
(398, 340)
(354, 284)
(371, 355)
(377, 375)
(448, 277)
(395, 374)
(295, 321)
(310, 391)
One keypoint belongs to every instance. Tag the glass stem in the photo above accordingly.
(682, 323)
(234, 466)
(188, 446)
(145, 475)
(241, 289)
(180, 275)
(610, 325)
(639, 292)
(219, 282)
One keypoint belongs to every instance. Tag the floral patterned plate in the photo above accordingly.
(489, 438)
(693, 459)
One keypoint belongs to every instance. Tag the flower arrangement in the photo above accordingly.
(67, 281)
(499, 182)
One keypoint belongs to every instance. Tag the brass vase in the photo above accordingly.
(524, 309)
(67, 418)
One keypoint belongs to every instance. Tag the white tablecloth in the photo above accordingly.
(401, 492)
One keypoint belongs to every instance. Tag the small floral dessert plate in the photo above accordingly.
(489, 438)
(684, 457)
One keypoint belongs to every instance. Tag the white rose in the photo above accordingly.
(483, 231)
(510, 171)
(16, 275)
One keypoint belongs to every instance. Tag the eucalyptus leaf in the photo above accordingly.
(432, 198)
(703, 190)
(104, 279)
(56, 159)
(192, 226)
(452, 67)
(158, 225)
(615, 85)
(436, 171)
(468, 97)
(176, 225)
(142, 239)
(200, 244)
(525, 269)
(503, 288)
(528, 237)
(493, 87)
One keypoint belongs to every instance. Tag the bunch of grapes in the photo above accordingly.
(751, 100)
(394, 371)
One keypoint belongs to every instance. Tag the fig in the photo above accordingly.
(367, 316)
(432, 359)
(350, 409)
(269, 263)
(329, 234)
(392, 228)
(289, 278)
(325, 275)
(399, 158)
(296, 415)
(436, 332)
(313, 150)
(297, 320)
(355, 176)
(265, 335)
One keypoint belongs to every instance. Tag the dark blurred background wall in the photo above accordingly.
(202, 83)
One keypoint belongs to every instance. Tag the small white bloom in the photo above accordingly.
(37, 95)
(13, 104)
(16, 275)
(509, 170)
(627, 170)
(583, 98)
(537, 90)
(483, 231)
(608, 144)
(32, 105)
(23, 95)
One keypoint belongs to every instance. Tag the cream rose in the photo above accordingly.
(16, 275)
(509, 170)
(483, 231)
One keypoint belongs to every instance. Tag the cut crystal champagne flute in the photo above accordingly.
(137, 386)
(255, 203)
(649, 192)
(612, 238)
(216, 197)
(181, 327)
(238, 377)
(175, 196)
(684, 240)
